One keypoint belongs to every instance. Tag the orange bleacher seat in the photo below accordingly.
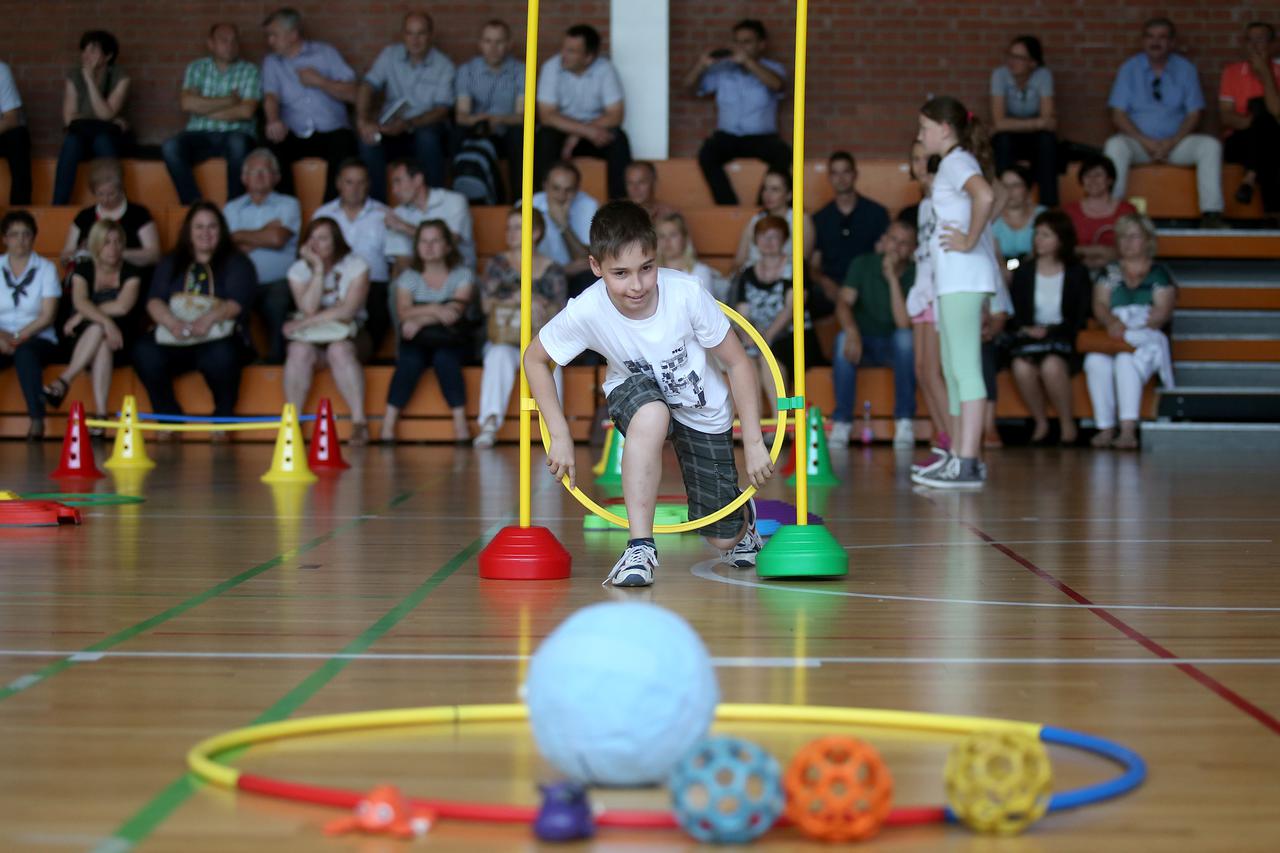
(309, 177)
(746, 176)
(43, 170)
(169, 221)
(211, 179)
(681, 185)
(52, 225)
(717, 230)
(489, 227)
(595, 180)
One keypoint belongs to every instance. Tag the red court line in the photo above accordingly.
(1132, 633)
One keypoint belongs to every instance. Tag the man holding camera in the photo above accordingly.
(747, 87)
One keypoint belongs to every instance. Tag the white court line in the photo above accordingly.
(725, 662)
(706, 571)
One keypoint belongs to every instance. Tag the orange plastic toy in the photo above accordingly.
(384, 812)
(838, 789)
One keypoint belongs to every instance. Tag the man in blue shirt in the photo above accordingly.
(306, 87)
(580, 109)
(747, 88)
(414, 120)
(264, 225)
(490, 98)
(1155, 104)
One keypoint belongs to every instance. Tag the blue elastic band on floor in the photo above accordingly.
(199, 419)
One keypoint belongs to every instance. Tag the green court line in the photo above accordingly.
(26, 682)
(146, 820)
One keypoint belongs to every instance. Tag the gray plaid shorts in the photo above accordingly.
(706, 460)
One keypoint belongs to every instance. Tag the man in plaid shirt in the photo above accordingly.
(221, 93)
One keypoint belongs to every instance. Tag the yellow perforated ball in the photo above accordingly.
(999, 783)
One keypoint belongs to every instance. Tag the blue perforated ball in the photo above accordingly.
(620, 692)
(727, 790)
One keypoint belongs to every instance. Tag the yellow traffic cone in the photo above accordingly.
(8, 496)
(610, 435)
(289, 462)
(129, 451)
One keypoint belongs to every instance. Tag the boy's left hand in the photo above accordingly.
(759, 465)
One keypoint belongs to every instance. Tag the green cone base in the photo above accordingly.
(663, 514)
(808, 551)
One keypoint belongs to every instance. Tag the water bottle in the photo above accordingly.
(868, 435)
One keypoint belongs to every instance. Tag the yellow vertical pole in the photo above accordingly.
(526, 259)
(797, 261)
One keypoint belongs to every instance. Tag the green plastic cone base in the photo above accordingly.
(808, 551)
(663, 514)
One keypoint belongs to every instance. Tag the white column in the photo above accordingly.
(639, 46)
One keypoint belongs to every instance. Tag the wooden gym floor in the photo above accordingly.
(1126, 595)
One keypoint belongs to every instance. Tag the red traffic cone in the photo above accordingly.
(77, 450)
(326, 450)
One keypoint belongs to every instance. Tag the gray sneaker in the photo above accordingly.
(743, 555)
(635, 566)
(954, 475)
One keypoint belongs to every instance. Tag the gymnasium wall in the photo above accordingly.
(871, 63)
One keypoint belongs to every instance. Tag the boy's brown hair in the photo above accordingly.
(617, 225)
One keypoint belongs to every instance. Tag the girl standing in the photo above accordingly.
(966, 273)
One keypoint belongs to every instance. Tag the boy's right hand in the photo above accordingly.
(560, 459)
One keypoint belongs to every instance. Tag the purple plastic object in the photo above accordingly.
(565, 814)
(780, 511)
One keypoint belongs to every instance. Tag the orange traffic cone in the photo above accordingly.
(77, 450)
(326, 450)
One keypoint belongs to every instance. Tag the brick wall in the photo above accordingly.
(871, 63)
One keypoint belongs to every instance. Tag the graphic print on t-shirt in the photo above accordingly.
(673, 386)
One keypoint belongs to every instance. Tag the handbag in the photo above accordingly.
(328, 332)
(189, 307)
(504, 325)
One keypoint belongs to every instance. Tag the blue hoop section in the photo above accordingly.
(1135, 770)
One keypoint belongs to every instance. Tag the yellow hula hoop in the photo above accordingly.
(779, 438)
(203, 757)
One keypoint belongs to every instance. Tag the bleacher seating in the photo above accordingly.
(715, 231)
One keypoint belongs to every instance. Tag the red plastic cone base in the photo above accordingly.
(525, 554)
(326, 449)
(77, 450)
(37, 514)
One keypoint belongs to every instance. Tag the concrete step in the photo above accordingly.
(1224, 374)
(1219, 404)
(1196, 323)
(1162, 437)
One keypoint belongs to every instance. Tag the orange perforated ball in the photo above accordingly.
(838, 789)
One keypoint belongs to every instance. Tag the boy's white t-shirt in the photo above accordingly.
(671, 346)
(975, 271)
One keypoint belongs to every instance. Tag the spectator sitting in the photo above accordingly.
(676, 251)
(1133, 300)
(747, 87)
(490, 98)
(363, 222)
(569, 212)
(329, 283)
(1155, 104)
(876, 332)
(642, 181)
(199, 299)
(1094, 216)
(221, 92)
(1022, 108)
(1051, 297)
(580, 109)
(264, 225)
(15, 139)
(1249, 105)
(500, 299)
(762, 293)
(847, 226)
(432, 297)
(141, 237)
(418, 81)
(29, 295)
(1014, 227)
(774, 200)
(416, 203)
(93, 102)
(306, 86)
(105, 292)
